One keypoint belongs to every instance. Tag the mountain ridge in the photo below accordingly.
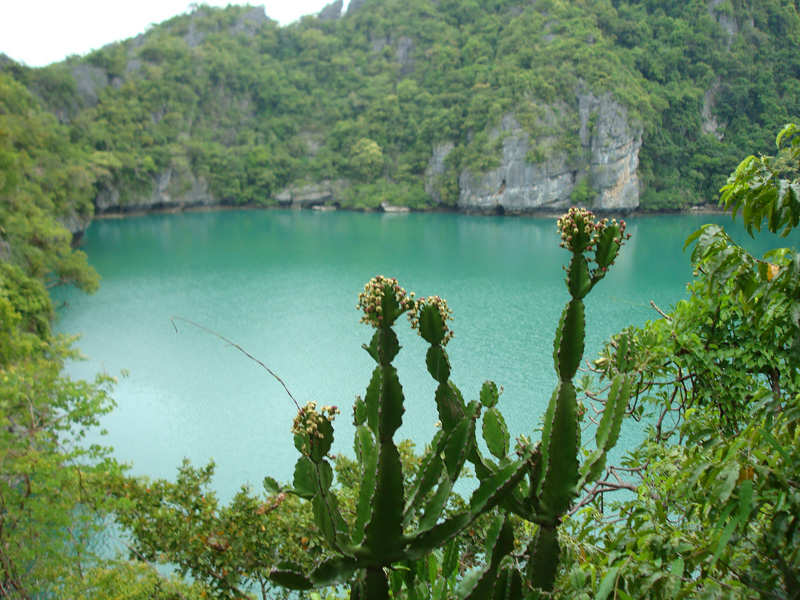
(224, 106)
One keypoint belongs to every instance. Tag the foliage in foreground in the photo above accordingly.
(54, 500)
(713, 505)
(717, 506)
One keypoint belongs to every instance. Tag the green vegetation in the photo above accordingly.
(54, 486)
(251, 107)
(715, 502)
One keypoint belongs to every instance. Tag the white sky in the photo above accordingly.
(40, 32)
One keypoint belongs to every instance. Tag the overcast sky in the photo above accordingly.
(40, 32)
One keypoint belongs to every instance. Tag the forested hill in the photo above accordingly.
(489, 105)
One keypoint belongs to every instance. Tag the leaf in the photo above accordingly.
(608, 583)
(676, 571)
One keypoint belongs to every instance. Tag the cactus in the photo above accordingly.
(384, 532)
(537, 482)
(554, 476)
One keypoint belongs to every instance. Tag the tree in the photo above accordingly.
(718, 505)
(366, 159)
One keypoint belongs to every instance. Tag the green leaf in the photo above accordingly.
(607, 584)
(676, 572)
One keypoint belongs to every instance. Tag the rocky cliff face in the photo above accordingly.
(171, 190)
(542, 173)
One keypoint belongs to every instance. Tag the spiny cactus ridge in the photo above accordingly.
(538, 482)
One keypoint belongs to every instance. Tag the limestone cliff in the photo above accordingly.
(171, 190)
(543, 172)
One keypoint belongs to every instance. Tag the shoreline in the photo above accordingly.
(544, 213)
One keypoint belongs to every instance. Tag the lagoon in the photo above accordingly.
(283, 285)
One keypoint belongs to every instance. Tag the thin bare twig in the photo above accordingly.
(240, 349)
(659, 311)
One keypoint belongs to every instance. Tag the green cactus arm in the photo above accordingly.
(579, 281)
(427, 476)
(422, 543)
(560, 468)
(569, 341)
(304, 481)
(433, 509)
(499, 543)
(544, 553)
(608, 245)
(290, 575)
(495, 433)
(384, 528)
(458, 446)
(438, 364)
(489, 395)
(510, 587)
(608, 430)
(372, 586)
(368, 459)
(326, 510)
(333, 571)
(449, 406)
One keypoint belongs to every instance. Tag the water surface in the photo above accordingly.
(284, 284)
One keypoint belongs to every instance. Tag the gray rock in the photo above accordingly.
(436, 169)
(389, 208)
(251, 21)
(355, 5)
(76, 224)
(89, 82)
(331, 11)
(608, 158)
(312, 194)
(405, 48)
(727, 21)
(171, 190)
(710, 123)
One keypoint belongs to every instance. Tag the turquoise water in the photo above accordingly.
(284, 284)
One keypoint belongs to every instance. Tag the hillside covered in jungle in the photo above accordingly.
(483, 105)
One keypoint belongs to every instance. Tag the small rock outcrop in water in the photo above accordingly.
(605, 155)
(312, 194)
